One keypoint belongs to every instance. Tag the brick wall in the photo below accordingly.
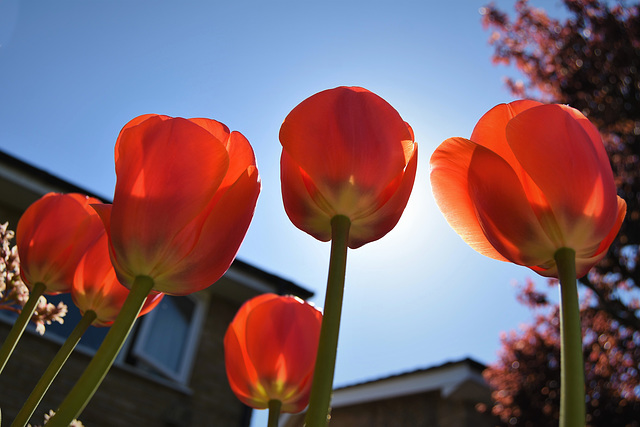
(126, 398)
(418, 410)
(214, 404)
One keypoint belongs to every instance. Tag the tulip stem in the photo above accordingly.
(56, 364)
(20, 324)
(93, 375)
(572, 401)
(320, 398)
(274, 412)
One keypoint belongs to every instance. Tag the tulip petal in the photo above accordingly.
(219, 130)
(450, 187)
(241, 157)
(343, 135)
(168, 221)
(585, 263)
(270, 350)
(133, 123)
(302, 208)
(240, 373)
(537, 179)
(594, 135)
(561, 158)
(162, 163)
(94, 266)
(170, 173)
(504, 212)
(95, 286)
(241, 154)
(377, 224)
(125, 275)
(283, 345)
(242, 376)
(490, 129)
(52, 235)
(104, 212)
(220, 231)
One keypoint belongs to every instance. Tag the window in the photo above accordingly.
(165, 341)
(162, 343)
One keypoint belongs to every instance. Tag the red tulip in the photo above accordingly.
(346, 151)
(185, 194)
(533, 179)
(52, 235)
(270, 351)
(96, 288)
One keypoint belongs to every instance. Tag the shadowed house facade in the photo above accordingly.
(440, 396)
(170, 372)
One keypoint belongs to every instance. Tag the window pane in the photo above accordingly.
(166, 333)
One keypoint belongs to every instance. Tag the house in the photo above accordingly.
(440, 396)
(170, 372)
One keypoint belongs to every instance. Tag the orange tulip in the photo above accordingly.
(96, 288)
(52, 235)
(270, 351)
(346, 151)
(185, 194)
(532, 179)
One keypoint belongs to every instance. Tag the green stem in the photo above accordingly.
(320, 399)
(572, 402)
(21, 323)
(56, 364)
(274, 413)
(93, 375)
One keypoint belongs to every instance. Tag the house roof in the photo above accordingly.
(460, 380)
(21, 184)
(452, 379)
(278, 284)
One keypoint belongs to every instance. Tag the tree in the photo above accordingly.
(591, 61)
(526, 377)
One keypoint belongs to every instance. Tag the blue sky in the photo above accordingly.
(73, 72)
